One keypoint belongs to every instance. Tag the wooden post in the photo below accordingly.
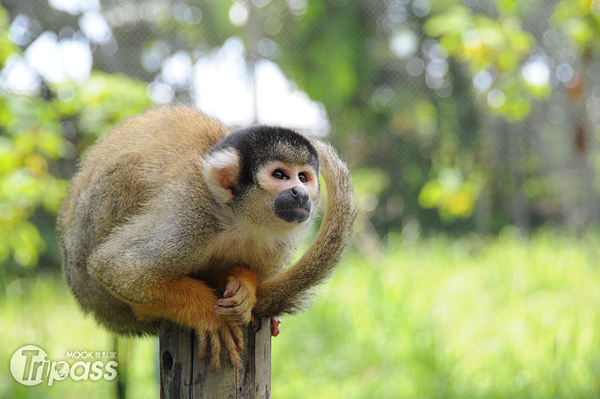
(184, 375)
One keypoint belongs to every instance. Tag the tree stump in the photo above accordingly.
(184, 375)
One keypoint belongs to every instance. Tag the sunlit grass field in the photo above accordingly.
(505, 317)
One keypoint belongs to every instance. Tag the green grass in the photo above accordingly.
(42, 312)
(500, 318)
(505, 318)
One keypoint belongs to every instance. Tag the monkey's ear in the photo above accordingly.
(221, 173)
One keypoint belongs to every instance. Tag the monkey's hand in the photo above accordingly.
(239, 297)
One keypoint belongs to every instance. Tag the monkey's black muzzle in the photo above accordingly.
(293, 205)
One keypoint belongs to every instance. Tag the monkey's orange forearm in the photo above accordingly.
(185, 300)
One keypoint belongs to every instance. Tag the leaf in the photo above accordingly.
(454, 21)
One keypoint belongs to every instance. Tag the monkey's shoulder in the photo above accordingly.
(163, 134)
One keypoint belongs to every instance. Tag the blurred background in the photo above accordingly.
(472, 131)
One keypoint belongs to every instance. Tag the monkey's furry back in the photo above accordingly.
(112, 185)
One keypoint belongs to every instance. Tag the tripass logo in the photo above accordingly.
(30, 366)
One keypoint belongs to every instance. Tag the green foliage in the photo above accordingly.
(501, 318)
(425, 117)
(454, 197)
(370, 181)
(340, 53)
(6, 46)
(468, 318)
(348, 63)
(326, 58)
(485, 44)
(41, 312)
(580, 19)
(105, 100)
(37, 134)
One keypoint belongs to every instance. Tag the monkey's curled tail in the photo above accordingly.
(285, 292)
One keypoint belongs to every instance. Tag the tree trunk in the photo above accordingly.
(184, 375)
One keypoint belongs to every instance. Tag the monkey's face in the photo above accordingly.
(281, 195)
(266, 176)
(290, 190)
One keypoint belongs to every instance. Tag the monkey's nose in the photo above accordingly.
(300, 194)
(293, 204)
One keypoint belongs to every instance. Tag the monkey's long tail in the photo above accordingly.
(285, 292)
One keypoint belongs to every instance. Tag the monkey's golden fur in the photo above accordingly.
(135, 249)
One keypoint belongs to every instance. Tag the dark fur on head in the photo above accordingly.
(258, 145)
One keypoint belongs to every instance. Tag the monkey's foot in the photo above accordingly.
(230, 335)
(275, 322)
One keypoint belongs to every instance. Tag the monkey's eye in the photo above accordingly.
(279, 175)
(302, 177)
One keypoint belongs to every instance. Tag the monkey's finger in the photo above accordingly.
(233, 286)
(202, 343)
(215, 346)
(238, 336)
(233, 301)
(227, 314)
(230, 344)
(224, 311)
(233, 315)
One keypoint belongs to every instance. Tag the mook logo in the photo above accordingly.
(30, 366)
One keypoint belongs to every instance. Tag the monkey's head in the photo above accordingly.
(265, 175)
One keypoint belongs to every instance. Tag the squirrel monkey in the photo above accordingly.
(171, 216)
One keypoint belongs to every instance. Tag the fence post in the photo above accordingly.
(184, 375)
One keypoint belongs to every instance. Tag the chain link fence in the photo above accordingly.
(456, 116)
